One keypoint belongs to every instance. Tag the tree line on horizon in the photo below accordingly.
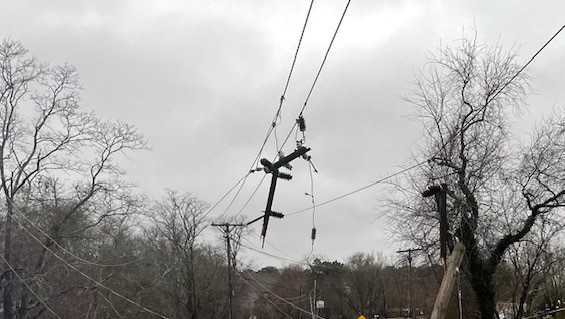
(78, 241)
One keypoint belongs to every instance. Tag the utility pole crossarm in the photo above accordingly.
(227, 228)
(273, 169)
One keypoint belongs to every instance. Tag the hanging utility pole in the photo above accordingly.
(410, 292)
(440, 194)
(273, 169)
(226, 228)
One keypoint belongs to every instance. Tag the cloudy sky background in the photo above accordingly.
(201, 80)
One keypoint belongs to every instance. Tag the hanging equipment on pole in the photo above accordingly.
(440, 194)
(273, 169)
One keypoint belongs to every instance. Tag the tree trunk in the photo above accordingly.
(8, 298)
(483, 285)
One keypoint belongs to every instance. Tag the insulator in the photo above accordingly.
(313, 235)
(301, 123)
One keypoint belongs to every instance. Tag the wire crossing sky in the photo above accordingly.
(202, 81)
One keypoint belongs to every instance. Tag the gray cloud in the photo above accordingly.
(202, 81)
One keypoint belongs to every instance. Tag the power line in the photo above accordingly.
(110, 303)
(56, 243)
(43, 302)
(279, 297)
(273, 126)
(325, 57)
(294, 126)
(527, 63)
(221, 199)
(97, 283)
(360, 189)
(297, 49)
(443, 146)
(313, 198)
(252, 194)
(285, 259)
(269, 300)
(321, 67)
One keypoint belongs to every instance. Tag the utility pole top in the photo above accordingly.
(408, 250)
(228, 224)
(273, 169)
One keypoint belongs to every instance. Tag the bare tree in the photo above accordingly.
(44, 132)
(178, 222)
(497, 191)
(531, 259)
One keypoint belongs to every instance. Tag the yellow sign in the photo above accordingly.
(361, 317)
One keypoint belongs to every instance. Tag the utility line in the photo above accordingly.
(68, 252)
(527, 63)
(272, 255)
(325, 57)
(360, 189)
(43, 302)
(221, 199)
(96, 282)
(264, 288)
(294, 126)
(252, 194)
(443, 146)
(273, 126)
(321, 67)
(269, 300)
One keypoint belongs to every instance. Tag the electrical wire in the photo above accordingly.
(526, 64)
(18, 214)
(252, 195)
(269, 300)
(320, 68)
(314, 229)
(36, 295)
(264, 288)
(360, 189)
(94, 281)
(325, 58)
(221, 199)
(110, 303)
(443, 146)
(285, 259)
(273, 125)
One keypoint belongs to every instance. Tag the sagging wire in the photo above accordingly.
(313, 200)
(301, 124)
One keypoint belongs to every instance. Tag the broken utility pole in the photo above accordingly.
(440, 194)
(273, 169)
(226, 228)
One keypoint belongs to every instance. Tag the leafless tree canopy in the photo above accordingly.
(498, 190)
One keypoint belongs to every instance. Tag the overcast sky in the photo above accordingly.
(201, 80)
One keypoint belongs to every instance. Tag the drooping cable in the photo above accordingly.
(320, 68)
(35, 294)
(94, 281)
(379, 181)
(293, 305)
(273, 126)
(256, 288)
(18, 214)
(221, 199)
(360, 189)
(313, 201)
(252, 195)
